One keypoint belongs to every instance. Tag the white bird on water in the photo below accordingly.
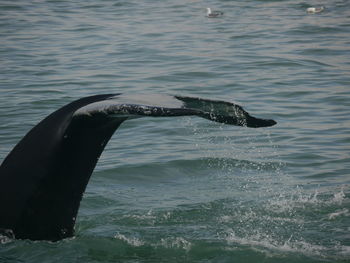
(314, 10)
(213, 13)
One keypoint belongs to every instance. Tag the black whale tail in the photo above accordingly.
(225, 112)
(43, 179)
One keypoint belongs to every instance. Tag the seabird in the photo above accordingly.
(314, 10)
(213, 13)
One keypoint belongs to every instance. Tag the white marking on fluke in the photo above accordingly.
(121, 102)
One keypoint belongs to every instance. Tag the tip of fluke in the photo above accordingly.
(253, 122)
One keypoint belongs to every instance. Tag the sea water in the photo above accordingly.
(186, 189)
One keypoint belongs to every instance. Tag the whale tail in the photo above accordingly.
(43, 179)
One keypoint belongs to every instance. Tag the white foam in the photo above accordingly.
(339, 197)
(342, 212)
(178, 242)
(344, 251)
(5, 239)
(268, 242)
(148, 218)
(133, 241)
(289, 203)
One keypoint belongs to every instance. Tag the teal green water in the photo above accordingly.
(185, 189)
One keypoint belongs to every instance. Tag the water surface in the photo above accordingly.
(185, 189)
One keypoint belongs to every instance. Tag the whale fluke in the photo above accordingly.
(42, 180)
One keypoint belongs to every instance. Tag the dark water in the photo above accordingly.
(186, 190)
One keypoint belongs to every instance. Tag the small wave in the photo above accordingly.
(133, 241)
(320, 52)
(301, 200)
(278, 63)
(168, 242)
(339, 197)
(176, 242)
(123, 4)
(314, 30)
(10, 7)
(145, 218)
(5, 239)
(270, 243)
(342, 212)
(92, 6)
